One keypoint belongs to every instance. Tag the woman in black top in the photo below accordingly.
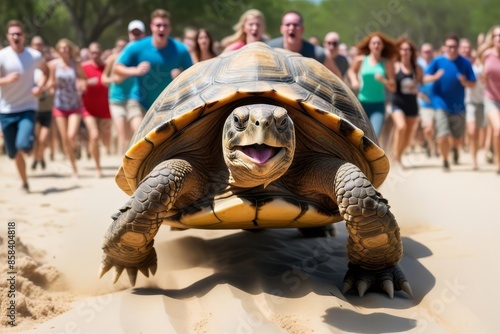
(404, 101)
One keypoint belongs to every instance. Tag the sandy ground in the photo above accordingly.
(239, 282)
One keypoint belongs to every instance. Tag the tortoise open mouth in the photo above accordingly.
(261, 153)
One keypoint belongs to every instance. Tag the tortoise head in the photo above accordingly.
(258, 144)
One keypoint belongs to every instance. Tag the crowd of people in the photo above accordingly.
(84, 100)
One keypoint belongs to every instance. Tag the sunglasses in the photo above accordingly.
(454, 46)
(333, 43)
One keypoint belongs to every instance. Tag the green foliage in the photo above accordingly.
(103, 20)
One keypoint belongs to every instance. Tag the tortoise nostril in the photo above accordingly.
(262, 122)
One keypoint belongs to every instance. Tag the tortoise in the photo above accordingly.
(257, 138)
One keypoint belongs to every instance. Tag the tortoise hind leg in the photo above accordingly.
(129, 240)
(374, 244)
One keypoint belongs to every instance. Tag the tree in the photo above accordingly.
(85, 21)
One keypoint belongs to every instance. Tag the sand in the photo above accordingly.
(234, 281)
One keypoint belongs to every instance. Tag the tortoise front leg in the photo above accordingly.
(129, 240)
(374, 244)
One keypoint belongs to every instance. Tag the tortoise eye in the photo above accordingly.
(281, 123)
(284, 121)
(240, 121)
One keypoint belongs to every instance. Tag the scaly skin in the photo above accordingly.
(129, 240)
(374, 246)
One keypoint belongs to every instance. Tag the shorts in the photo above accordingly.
(127, 109)
(409, 112)
(450, 124)
(44, 118)
(490, 105)
(474, 113)
(376, 113)
(427, 116)
(65, 113)
(100, 115)
(18, 131)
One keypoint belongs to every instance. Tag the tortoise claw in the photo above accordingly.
(144, 271)
(362, 287)
(131, 271)
(105, 266)
(132, 275)
(407, 288)
(387, 280)
(117, 273)
(145, 266)
(346, 287)
(388, 287)
(153, 268)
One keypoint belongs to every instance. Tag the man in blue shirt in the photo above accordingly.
(155, 60)
(451, 74)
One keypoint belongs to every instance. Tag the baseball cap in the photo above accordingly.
(136, 24)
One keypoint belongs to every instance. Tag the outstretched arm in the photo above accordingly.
(353, 72)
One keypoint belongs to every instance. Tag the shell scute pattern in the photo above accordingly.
(252, 76)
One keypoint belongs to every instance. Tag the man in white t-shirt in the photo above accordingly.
(19, 96)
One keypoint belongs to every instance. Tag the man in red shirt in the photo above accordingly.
(97, 117)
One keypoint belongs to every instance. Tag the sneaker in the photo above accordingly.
(455, 156)
(42, 163)
(446, 166)
(26, 188)
(33, 165)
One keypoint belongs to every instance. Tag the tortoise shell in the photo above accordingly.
(189, 114)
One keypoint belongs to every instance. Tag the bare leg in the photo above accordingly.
(409, 135)
(122, 133)
(21, 168)
(135, 122)
(36, 146)
(444, 147)
(54, 139)
(105, 132)
(414, 137)
(473, 134)
(68, 129)
(93, 132)
(494, 120)
(43, 138)
(400, 129)
(428, 134)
